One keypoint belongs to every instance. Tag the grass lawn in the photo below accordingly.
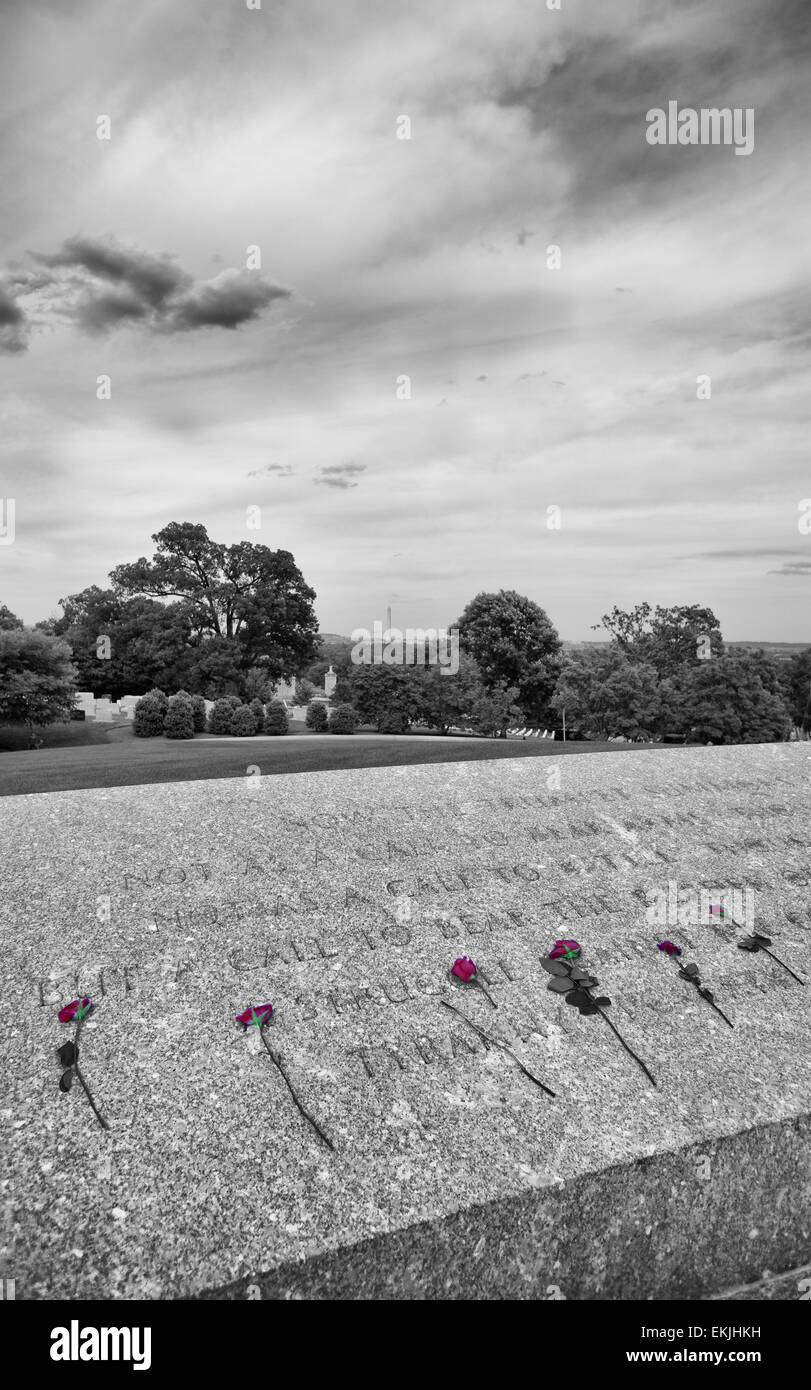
(74, 733)
(112, 757)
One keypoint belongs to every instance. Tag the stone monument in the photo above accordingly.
(393, 1132)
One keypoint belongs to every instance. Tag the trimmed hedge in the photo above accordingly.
(343, 720)
(198, 710)
(258, 711)
(156, 694)
(148, 717)
(221, 718)
(276, 720)
(244, 722)
(316, 717)
(179, 722)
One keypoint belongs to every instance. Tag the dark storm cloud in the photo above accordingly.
(234, 297)
(100, 285)
(10, 312)
(12, 324)
(339, 474)
(98, 313)
(793, 568)
(594, 99)
(152, 278)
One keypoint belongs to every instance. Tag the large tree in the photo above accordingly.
(148, 642)
(37, 679)
(665, 638)
(734, 699)
(382, 695)
(244, 594)
(8, 620)
(606, 694)
(448, 700)
(514, 645)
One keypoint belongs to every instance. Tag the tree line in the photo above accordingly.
(224, 622)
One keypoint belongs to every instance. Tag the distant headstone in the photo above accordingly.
(104, 711)
(330, 681)
(285, 691)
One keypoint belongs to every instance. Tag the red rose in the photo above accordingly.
(671, 948)
(256, 1016)
(76, 1011)
(464, 969)
(565, 950)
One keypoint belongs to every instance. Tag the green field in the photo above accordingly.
(120, 760)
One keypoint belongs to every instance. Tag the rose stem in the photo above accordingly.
(711, 1002)
(713, 1005)
(624, 1043)
(100, 1119)
(783, 963)
(307, 1116)
(482, 1034)
(771, 953)
(484, 992)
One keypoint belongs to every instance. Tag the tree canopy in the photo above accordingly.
(9, 620)
(37, 678)
(665, 638)
(231, 611)
(515, 646)
(245, 593)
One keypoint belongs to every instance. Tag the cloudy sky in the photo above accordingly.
(276, 386)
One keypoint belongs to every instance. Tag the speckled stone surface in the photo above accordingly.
(342, 897)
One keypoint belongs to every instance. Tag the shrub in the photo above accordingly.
(221, 718)
(343, 720)
(179, 722)
(148, 717)
(159, 697)
(234, 701)
(198, 711)
(316, 717)
(392, 723)
(276, 721)
(258, 711)
(243, 722)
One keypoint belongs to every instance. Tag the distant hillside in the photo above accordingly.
(782, 651)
